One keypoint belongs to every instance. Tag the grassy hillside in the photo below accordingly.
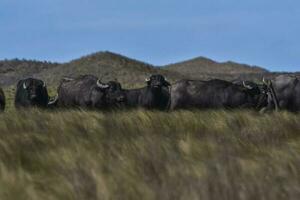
(130, 72)
(13, 70)
(141, 154)
(204, 68)
(149, 155)
(109, 66)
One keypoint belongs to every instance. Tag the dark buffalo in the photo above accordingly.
(286, 92)
(216, 94)
(154, 96)
(31, 92)
(88, 91)
(2, 100)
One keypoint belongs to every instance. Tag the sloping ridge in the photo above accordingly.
(202, 67)
(13, 70)
(130, 72)
(105, 65)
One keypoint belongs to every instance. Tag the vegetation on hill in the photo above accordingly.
(204, 68)
(138, 154)
(108, 66)
(149, 155)
(130, 72)
(13, 70)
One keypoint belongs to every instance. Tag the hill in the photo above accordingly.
(107, 65)
(130, 72)
(204, 68)
(13, 70)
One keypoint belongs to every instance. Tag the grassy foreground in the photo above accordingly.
(149, 155)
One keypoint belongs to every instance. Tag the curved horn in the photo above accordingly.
(264, 81)
(67, 79)
(274, 96)
(101, 85)
(24, 85)
(53, 101)
(44, 84)
(147, 79)
(247, 86)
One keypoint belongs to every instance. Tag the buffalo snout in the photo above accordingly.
(156, 84)
(121, 98)
(33, 96)
(157, 81)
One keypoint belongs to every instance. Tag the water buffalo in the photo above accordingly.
(215, 94)
(2, 100)
(287, 93)
(154, 96)
(87, 91)
(31, 92)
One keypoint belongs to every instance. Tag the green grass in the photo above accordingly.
(149, 155)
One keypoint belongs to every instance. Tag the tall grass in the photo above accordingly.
(149, 155)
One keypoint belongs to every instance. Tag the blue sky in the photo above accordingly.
(264, 33)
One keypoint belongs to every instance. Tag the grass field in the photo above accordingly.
(149, 155)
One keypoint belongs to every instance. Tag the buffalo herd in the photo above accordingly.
(89, 92)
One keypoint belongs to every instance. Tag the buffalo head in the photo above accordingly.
(31, 92)
(259, 92)
(35, 88)
(157, 81)
(113, 92)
